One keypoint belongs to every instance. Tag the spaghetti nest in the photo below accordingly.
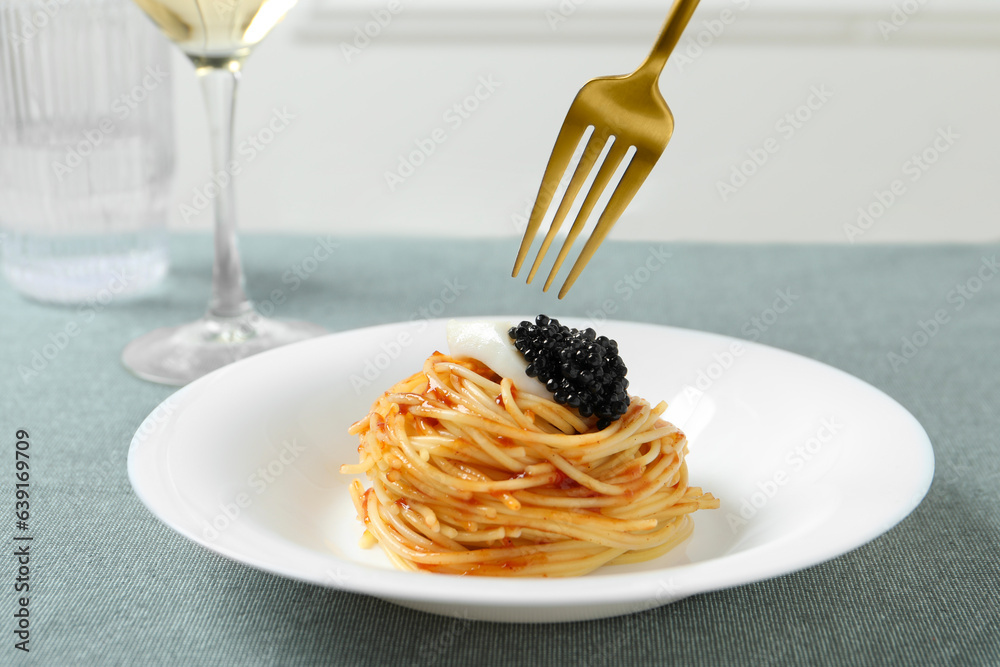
(470, 476)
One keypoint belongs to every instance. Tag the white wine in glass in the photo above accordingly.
(217, 35)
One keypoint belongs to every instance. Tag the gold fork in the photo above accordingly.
(628, 110)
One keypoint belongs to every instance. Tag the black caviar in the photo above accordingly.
(580, 368)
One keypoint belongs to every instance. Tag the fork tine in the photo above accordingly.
(632, 180)
(604, 174)
(566, 143)
(590, 154)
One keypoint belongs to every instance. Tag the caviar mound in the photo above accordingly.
(581, 369)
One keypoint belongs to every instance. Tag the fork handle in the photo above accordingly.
(678, 19)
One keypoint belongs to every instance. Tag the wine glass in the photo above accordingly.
(217, 35)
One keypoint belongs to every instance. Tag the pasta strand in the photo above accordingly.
(470, 476)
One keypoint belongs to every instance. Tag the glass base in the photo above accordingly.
(78, 270)
(178, 355)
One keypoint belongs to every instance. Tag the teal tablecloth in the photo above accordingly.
(111, 585)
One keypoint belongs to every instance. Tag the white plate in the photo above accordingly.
(808, 461)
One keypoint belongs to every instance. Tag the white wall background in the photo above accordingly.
(353, 117)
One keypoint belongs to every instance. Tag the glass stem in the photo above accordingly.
(229, 297)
